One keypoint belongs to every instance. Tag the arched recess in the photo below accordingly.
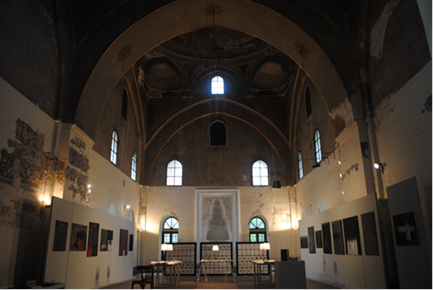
(112, 209)
(244, 16)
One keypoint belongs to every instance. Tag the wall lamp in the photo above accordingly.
(126, 207)
(380, 166)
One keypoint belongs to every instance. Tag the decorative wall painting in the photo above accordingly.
(304, 242)
(351, 234)
(123, 242)
(327, 243)
(311, 242)
(92, 247)
(78, 237)
(337, 234)
(369, 233)
(60, 234)
(106, 240)
(405, 229)
(319, 239)
(131, 242)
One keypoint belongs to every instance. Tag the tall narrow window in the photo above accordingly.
(217, 85)
(124, 104)
(317, 146)
(114, 147)
(170, 231)
(217, 134)
(174, 173)
(134, 167)
(308, 101)
(260, 173)
(300, 165)
(257, 230)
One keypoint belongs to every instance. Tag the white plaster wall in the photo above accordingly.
(267, 202)
(13, 106)
(345, 271)
(323, 185)
(74, 267)
(404, 139)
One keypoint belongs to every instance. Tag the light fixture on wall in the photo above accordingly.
(380, 166)
(89, 190)
(126, 207)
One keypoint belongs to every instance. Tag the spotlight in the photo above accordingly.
(380, 166)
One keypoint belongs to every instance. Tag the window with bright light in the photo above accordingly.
(170, 233)
(114, 147)
(257, 230)
(217, 87)
(134, 167)
(300, 165)
(260, 173)
(174, 173)
(317, 146)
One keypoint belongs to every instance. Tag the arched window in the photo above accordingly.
(257, 230)
(300, 165)
(317, 146)
(308, 101)
(124, 104)
(134, 167)
(260, 173)
(114, 147)
(170, 231)
(174, 173)
(217, 134)
(217, 85)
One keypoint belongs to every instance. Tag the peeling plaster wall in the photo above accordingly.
(31, 170)
(323, 185)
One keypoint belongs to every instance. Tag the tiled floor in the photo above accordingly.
(217, 282)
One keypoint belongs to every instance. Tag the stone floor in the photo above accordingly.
(217, 282)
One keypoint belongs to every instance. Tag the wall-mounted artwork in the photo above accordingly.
(337, 234)
(123, 242)
(405, 229)
(311, 242)
(60, 234)
(92, 248)
(351, 234)
(319, 239)
(304, 242)
(78, 237)
(369, 234)
(327, 243)
(131, 242)
(106, 240)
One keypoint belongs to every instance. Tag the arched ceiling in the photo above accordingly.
(252, 42)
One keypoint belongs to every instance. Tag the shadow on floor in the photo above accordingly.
(217, 282)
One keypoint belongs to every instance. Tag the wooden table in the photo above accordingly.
(202, 269)
(258, 264)
(173, 269)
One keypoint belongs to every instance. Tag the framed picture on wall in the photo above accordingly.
(92, 248)
(327, 242)
(131, 242)
(369, 233)
(405, 229)
(311, 242)
(78, 237)
(106, 240)
(319, 239)
(337, 234)
(304, 242)
(60, 235)
(351, 235)
(123, 242)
